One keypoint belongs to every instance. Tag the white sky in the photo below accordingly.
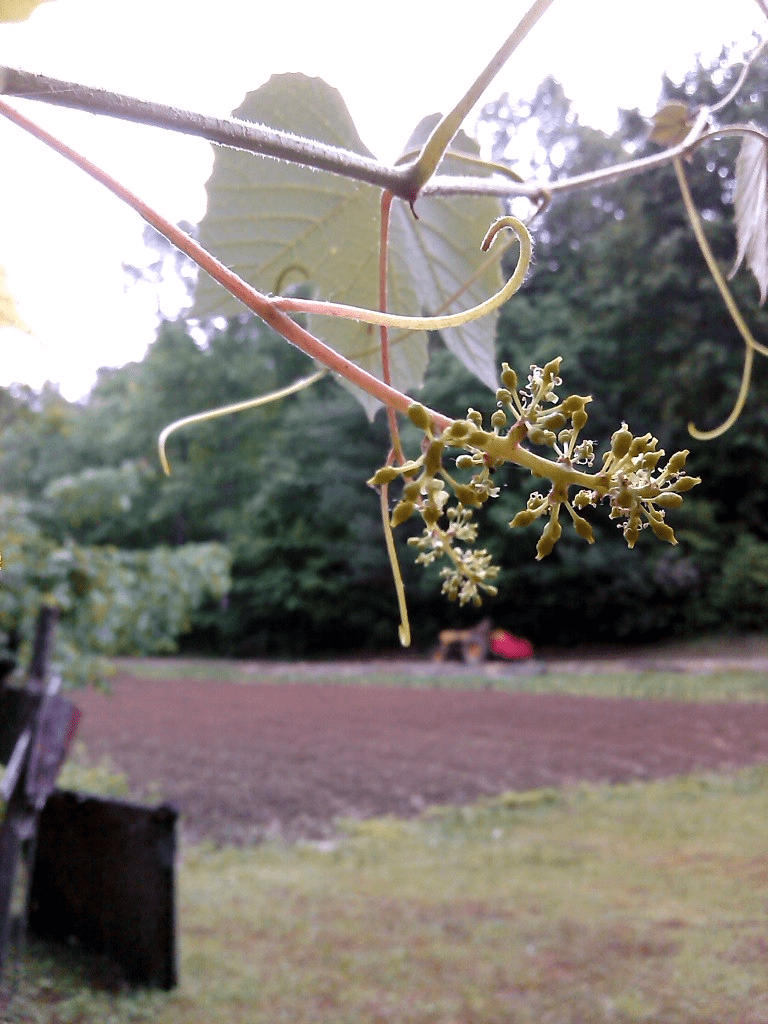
(63, 238)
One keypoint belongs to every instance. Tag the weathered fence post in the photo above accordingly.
(36, 730)
(73, 866)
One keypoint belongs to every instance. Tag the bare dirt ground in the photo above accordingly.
(243, 762)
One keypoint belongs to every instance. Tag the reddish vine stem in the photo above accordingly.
(249, 296)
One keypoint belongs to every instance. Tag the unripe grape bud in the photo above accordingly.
(508, 376)
(553, 422)
(544, 547)
(669, 500)
(651, 460)
(574, 402)
(385, 475)
(457, 430)
(685, 483)
(620, 442)
(419, 416)
(430, 513)
(677, 461)
(498, 419)
(642, 444)
(465, 462)
(584, 529)
(554, 529)
(548, 539)
(663, 532)
(552, 369)
(402, 511)
(538, 436)
(523, 518)
(466, 495)
(631, 533)
(411, 491)
(624, 499)
(579, 418)
(504, 396)
(433, 458)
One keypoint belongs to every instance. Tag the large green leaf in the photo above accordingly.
(275, 223)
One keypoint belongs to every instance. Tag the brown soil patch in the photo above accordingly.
(245, 761)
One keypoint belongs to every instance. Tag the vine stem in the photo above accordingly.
(504, 448)
(250, 297)
(308, 153)
(266, 141)
(404, 630)
(443, 132)
(224, 131)
(403, 180)
(736, 88)
(229, 410)
(406, 180)
(428, 323)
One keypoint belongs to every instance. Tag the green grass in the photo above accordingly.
(644, 902)
(738, 685)
(715, 686)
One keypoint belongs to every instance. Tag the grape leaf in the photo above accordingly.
(272, 221)
(9, 316)
(443, 252)
(751, 206)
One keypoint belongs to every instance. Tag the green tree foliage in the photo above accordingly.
(37, 443)
(310, 571)
(110, 601)
(621, 289)
(282, 486)
(81, 527)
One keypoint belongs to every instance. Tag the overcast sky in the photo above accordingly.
(63, 238)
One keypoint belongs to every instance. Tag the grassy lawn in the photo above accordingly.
(643, 902)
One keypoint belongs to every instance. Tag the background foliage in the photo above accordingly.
(619, 288)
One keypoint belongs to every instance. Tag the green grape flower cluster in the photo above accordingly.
(632, 480)
(449, 531)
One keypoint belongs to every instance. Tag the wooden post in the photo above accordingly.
(41, 648)
(36, 730)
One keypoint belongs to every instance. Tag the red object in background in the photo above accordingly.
(513, 648)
